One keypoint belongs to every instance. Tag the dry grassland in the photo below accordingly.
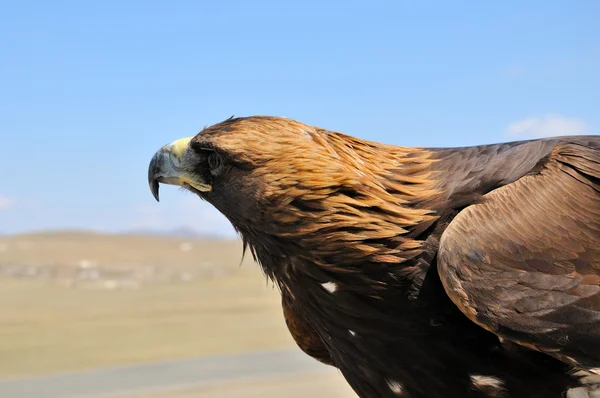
(76, 301)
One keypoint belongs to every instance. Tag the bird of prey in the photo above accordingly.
(417, 272)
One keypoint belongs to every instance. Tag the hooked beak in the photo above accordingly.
(166, 167)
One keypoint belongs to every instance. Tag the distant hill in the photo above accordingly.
(122, 250)
(176, 233)
(181, 232)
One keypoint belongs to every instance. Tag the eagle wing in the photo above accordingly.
(524, 263)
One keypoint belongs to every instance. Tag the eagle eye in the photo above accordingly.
(215, 163)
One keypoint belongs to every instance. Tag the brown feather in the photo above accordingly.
(525, 263)
(303, 333)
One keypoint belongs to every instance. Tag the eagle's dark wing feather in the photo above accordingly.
(524, 262)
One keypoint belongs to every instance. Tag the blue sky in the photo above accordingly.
(89, 90)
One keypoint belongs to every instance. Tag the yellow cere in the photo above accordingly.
(179, 146)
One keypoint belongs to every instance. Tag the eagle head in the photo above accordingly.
(289, 187)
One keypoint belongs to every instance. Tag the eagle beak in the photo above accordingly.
(166, 167)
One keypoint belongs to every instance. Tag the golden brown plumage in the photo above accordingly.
(402, 266)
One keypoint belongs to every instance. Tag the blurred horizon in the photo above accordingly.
(175, 233)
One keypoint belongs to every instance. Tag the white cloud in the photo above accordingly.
(6, 202)
(547, 126)
(188, 212)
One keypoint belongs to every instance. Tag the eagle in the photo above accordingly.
(417, 272)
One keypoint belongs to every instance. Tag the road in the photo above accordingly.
(204, 371)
